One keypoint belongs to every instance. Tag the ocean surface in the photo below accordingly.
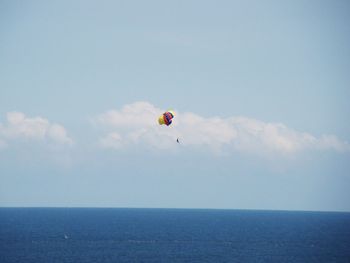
(172, 235)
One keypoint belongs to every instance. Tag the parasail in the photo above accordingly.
(166, 118)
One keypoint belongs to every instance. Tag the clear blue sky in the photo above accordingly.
(261, 89)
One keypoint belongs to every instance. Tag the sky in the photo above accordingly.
(260, 91)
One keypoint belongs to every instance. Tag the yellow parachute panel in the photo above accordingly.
(161, 120)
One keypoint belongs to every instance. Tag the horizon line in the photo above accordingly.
(175, 208)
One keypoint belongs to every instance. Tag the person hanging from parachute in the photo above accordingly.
(166, 118)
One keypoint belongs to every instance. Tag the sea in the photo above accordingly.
(172, 235)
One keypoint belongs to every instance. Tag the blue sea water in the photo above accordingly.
(171, 235)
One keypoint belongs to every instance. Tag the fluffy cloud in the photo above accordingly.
(20, 127)
(137, 124)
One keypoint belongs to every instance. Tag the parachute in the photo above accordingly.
(166, 118)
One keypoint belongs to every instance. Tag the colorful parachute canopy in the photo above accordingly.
(166, 118)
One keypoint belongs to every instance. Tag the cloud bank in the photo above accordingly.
(136, 124)
(19, 127)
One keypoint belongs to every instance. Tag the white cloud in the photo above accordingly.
(136, 123)
(331, 141)
(59, 134)
(112, 140)
(20, 127)
(138, 114)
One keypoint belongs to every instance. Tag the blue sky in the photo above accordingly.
(260, 91)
